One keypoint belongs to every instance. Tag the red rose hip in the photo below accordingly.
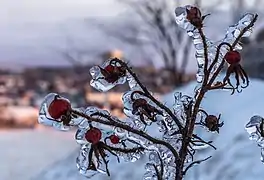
(59, 107)
(93, 135)
(233, 57)
(114, 139)
(109, 68)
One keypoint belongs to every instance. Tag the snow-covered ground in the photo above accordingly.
(25, 153)
(236, 158)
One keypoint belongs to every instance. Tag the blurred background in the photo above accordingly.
(49, 46)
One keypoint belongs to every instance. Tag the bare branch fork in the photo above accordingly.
(114, 123)
(185, 130)
(205, 87)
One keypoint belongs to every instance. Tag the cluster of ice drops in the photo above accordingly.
(101, 135)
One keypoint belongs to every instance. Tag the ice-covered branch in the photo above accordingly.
(172, 149)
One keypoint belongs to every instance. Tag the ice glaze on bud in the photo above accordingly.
(113, 73)
(233, 57)
(58, 108)
(114, 139)
(93, 135)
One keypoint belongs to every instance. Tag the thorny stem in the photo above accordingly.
(202, 92)
(149, 95)
(191, 112)
(206, 60)
(202, 141)
(218, 53)
(195, 162)
(129, 129)
(124, 150)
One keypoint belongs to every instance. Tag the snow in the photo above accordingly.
(24, 153)
(237, 158)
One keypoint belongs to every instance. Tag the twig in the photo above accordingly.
(148, 94)
(195, 162)
(204, 89)
(218, 53)
(251, 24)
(201, 140)
(124, 150)
(130, 129)
(206, 60)
(157, 172)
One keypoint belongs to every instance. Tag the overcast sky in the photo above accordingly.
(14, 11)
(28, 26)
(25, 24)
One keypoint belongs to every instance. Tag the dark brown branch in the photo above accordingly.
(130, 129)
(204, 89)
(159, 176)
(148, 94)
(218, 51)
(206, 60)
(195, 162)
(104, 116)
(251, 24)
(161, 167)
(125, 150)
(202, 141)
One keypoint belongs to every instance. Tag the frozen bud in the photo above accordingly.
(109, 75)
(93, 135)
(194, 16)
(114, 139)
(55, 111)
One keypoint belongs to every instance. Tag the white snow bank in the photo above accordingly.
(25, 153)
(236, 157)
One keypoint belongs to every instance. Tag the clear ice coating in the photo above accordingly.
(109, 75)
(45, 117)
(180, 105)
(138, 107)
(82, 162)
(235, 30)
(101, 79)
(231, 34)
(255, 129)
(132, 82)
